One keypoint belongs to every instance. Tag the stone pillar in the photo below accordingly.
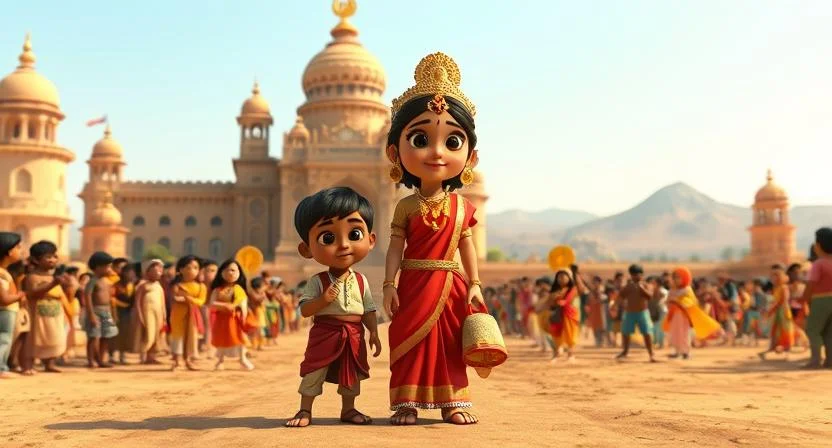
(24, 128)
(3, 120)
(41, 129)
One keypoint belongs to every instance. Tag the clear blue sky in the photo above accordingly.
(586, 105)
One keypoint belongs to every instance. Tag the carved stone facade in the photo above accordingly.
(33, 168)
(772, 234)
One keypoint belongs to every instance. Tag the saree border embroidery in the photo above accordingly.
(430, 265)
(431, 397)
(423, 331)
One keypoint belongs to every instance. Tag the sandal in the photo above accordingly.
(352, 413)
(300, 416)
(468, 417)
(400, 417)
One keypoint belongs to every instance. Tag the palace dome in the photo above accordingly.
(106, 214)
(771, 191)
(299, 130)
(27, 85)
(107, 146)
(344, 62)
(256, 105)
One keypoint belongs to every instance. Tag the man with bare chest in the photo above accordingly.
(635, 297)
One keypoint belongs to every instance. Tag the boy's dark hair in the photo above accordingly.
(42, 248)
(635, 269)
(336, 202)
(99, 259)
(619, 274)
(794, 267)
(778, 267)
(208, 262)
(120, 260)
(813, 255)
(301, 285)
(256, 282)
(543, 281)
(72, 270)
(8, 241)
(823, 237)
(167, 266)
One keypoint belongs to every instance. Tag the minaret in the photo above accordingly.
(32, 162)
(255, 120)
(106, 166)
(772, 234)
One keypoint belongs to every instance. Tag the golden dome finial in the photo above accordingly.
(27, 58)
(344, 8)
(436, 75)
(107, 131)
(256, 89)
(769, 175)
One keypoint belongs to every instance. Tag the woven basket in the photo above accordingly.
(482, 342)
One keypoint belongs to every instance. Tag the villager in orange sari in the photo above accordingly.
(782, 324)
(228, 298)
(188, 296)
(431, 144)
(684, 313)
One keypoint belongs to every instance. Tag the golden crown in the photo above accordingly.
(436, 74)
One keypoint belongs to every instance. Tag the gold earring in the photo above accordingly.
(396, 172)
(467, 176)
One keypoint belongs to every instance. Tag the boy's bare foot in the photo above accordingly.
(622, 355)
(28, 372)
(404, 416)
(653, 359)
(459, 417)
(174, 367)
(191, 367)
(51, 368)
(301, 420)
(355, 417)
(92, 365)
(219, 367)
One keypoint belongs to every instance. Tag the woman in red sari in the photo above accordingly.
(431, 144)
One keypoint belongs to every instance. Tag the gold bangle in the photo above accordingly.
(388, 283)
(476, 283)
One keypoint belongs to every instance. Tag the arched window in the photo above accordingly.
(256, 132)
(190, 246)
(190, 221)
(215, 248)
(216, 221)
(16, 131)
(32, 130)
(165, 241)
(761, 217)
(256, 207)
(164, 221)
(23, 181)
(137, 250)
(138, 221)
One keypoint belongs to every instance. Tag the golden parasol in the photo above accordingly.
(561, 257)
(250, 259)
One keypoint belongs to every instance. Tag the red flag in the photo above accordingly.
(97, 121)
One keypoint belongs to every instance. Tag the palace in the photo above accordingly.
(338, 139)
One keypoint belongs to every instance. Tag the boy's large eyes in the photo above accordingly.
(356, 235)
(454, 142)
(418, 139)
(326, 238)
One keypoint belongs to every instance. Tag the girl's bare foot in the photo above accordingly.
(50, 367)
(191, 367)
(404, 416)
(459, 417)
(219, 367)
(301, 420)
(246, 364)
(174, 367)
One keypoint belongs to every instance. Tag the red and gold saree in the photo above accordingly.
(426, 359)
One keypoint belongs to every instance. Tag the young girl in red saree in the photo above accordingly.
(431, 145)
(565, 303)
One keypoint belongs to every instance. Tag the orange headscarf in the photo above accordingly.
(685, 277)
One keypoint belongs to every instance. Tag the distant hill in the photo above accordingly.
(520, 233)
(676, 221)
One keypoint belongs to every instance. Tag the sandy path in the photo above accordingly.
(724, 397)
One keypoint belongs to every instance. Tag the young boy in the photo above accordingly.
(100, 326)
(819, 293)
(336, 228)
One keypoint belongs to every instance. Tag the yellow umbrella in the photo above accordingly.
(561, 257)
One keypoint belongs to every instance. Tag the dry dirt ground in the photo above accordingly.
(723, 397)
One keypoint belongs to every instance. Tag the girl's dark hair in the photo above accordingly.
(42, 249)
(413, 109)
(8, 240)
(181, 263)
(219, 281)
(823, 237)
(256, 282)
(556, 284)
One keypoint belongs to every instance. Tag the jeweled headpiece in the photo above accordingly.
(437, 75)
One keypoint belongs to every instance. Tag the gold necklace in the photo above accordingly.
(434, 210)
